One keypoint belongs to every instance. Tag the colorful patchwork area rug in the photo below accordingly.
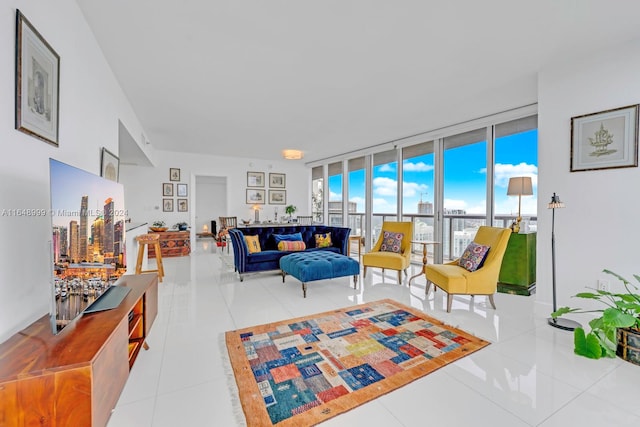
(302, 371)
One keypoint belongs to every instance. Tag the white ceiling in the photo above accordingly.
(251, 77)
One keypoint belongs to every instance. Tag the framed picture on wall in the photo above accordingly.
(174, 174)
(605, 140)
(167, 189)
(255, 179)
(37, 83)
(167, 205)
(277, 180)
(277, 197)
(181, 190)
(183, 205)
(255, 196)
(109, 165)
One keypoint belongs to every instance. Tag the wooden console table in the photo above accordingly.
(75, 378)
(172, 244)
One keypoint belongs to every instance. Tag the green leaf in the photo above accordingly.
(587, 295)
(587, 346)
(562, 310)
(615, 318)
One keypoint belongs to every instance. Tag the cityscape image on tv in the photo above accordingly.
(88, 219)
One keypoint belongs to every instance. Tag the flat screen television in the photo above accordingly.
(87, 219)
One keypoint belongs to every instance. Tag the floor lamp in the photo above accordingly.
(561, 323)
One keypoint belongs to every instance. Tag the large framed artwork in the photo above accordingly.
(605, 140)
(37, 83)
(255, 196)
(109, 165)
(255, 179)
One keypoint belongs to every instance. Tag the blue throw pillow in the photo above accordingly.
(293, 237)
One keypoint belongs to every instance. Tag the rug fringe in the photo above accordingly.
(234, 394)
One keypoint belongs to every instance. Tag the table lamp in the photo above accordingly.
(256, 209)
(519, 186)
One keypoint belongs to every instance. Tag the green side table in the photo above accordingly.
(518, 271)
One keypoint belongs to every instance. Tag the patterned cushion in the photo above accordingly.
(287, 237)
(473, 256)
(391, 241)
(291, 245)
(253, 242)
(323, 240)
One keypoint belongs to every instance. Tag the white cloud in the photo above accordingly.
(455, 204)
(417, 167)
(387, 168)
(385, 186)
(381, 205)
(413, 189)
(334, 197)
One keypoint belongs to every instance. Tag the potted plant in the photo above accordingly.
(290, 210)
(182, 226)
(158, 226)
(616, 330)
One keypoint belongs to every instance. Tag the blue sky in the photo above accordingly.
(465, 178)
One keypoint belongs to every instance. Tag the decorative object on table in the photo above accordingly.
(255, 179)
(181, 226)
(37, 83)
(245, 221)
(174, 174)
(167, 189)
(181, 190)
(290, 210)
(256, 212)
(109, 165)
(298, 386)
(255, 196)
(277, 180)
(167, 205)
(277, 197)
(566, 324)
(616, 331)
(605, 140)
(519, 186)
(158, 226)
(183, 205)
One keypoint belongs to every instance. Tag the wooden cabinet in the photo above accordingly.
(75, 378)
(172, 244)
(518, 271)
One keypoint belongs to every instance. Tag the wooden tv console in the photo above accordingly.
(75, 378)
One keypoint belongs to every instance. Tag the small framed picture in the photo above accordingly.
(605, 140)
(167, 205)
(183, 205)
(174, 174)
(255, 179)
(109, 165)
(255, 196)
(37, 83)
(181, 189)
(277, 197)
(167, 189)
(277, 180)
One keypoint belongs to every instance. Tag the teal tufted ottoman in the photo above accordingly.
(318, 265)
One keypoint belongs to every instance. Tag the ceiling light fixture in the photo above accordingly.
(292, 154)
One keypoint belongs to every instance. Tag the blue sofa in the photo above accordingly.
(269, 257)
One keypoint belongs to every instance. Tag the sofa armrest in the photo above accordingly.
(240, 249)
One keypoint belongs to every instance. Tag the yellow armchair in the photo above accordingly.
(453, 279)
(394, 261)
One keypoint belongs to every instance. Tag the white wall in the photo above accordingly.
(211, 197)
(143, 186)
(91, 103)
(597, 229)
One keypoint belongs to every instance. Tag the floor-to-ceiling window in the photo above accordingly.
(385, 190)
(516, 154)
(357, 196)
(335, 194)
(464, 189)
(317, 190)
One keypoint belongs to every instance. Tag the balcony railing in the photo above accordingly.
(460, 229)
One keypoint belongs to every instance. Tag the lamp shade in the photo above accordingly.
(520, 186)
(555, 202)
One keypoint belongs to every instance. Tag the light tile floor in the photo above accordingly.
(528, 376)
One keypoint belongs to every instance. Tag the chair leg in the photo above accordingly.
(493, 304)
(449, 301)
(399, 277)
(364, 272)
(426, 290)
